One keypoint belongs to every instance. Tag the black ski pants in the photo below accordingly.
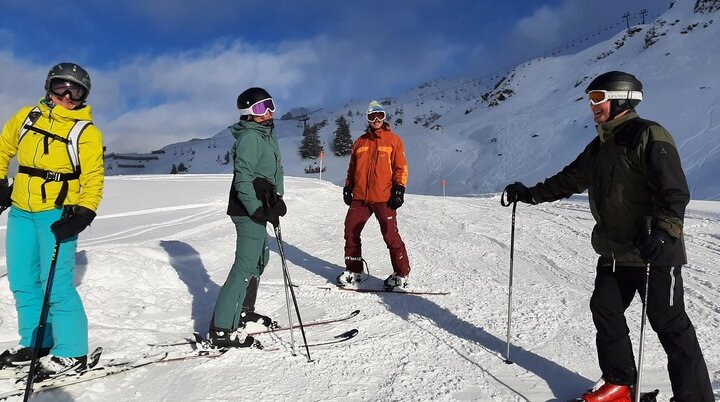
(614, 290)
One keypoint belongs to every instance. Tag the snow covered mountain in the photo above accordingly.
(480, 134)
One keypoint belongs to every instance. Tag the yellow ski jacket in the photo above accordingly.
(31, 152)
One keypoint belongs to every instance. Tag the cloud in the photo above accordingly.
(166, 90)
(21, 83)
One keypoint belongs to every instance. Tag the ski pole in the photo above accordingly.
(40, 334)
(506, 203)
(289, 285)
(648, 229)
(510, 284)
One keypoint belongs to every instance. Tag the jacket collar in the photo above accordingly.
(59, 113)
(379, 132)
(265, 131)
(607, 130)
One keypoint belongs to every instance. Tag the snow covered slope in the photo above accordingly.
(150, 267)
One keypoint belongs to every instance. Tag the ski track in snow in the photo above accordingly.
(152, 273)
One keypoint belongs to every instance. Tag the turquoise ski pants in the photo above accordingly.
(29, 245)
(251, 257)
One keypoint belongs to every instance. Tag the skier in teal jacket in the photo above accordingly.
(255, 199)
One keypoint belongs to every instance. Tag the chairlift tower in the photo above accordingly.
(305, 117)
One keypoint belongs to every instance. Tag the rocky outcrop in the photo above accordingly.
(707, 6)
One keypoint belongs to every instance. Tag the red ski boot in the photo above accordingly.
(609, 393)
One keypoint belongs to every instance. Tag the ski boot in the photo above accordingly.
(395, 281)
(20, 355)
(53, 366)
(608, 393)
(251, 316)
(224, 338)
(348, 278)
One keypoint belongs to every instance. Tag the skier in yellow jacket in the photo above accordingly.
(54, 197)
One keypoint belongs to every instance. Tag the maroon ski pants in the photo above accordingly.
(357, 215)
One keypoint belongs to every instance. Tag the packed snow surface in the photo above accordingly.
(150, 267)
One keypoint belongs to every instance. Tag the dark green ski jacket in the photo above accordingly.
(631, 170)
(256, 153)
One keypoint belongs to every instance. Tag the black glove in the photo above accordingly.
(655, 246)
(518, 192)
(271, 214)
(5, 194)
(347, 195)
(263, 215)
(397, 196)
(73, 221)
(265, 191)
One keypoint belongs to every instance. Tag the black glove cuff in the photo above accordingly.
(259, 215)
(280, 206)
(86, 214)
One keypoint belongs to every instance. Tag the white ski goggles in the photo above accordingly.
(259, 108)
(375, 116)
(601, 96)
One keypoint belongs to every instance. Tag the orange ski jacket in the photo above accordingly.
(377, 162)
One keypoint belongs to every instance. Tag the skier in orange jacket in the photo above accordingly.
(375, 184)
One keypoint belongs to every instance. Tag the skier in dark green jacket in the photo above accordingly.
(255, 199)
(632, 171)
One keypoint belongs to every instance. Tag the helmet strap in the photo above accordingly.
(618, 106)
(48, 101)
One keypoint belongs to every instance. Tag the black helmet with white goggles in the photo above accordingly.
(255, 101)
(614, 85)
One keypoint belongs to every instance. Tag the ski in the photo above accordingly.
(20, 371)
(206, 351)
(383, 290)
(325, 321)
(344, 337)
(97, 369)
(644, 397)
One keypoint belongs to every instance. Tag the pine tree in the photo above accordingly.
(310, 145)
(342, 144)
(173, 169)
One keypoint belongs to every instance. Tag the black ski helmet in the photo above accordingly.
(251, 96)
(617, 81)
(70, 72)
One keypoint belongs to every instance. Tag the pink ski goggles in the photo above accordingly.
(259, 108)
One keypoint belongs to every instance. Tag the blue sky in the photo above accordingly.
(167, 71)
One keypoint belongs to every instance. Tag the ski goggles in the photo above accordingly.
(601, 96)
(259, 108)
(60, 88)
(375, 116)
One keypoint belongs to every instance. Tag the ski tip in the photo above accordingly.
(354, 313)
(349, 334)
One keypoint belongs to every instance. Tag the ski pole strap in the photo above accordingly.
(503, 200)
(49, 177)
